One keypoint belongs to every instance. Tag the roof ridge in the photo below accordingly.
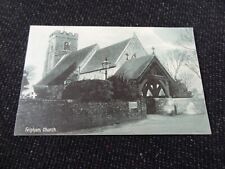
(133, 71)
(141, 57)
(116, 43)
(112, 52)
(86, 47)
(73, 52)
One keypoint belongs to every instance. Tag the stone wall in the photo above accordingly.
(68, 115)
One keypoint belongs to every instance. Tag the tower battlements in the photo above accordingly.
(59, 33)
(59, 44)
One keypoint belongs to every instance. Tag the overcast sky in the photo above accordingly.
(162, 39)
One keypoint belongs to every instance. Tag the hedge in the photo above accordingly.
(89, 90)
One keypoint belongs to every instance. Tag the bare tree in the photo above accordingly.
(187, 42)
(194, 67)
(176, 59)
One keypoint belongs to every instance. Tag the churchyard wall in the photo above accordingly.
(68, 115)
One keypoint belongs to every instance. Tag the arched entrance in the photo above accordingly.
(152, 87)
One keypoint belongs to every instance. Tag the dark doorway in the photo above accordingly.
(150, 105)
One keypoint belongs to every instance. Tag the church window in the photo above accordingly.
(66, 46)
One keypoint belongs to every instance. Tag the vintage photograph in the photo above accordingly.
(92, 80)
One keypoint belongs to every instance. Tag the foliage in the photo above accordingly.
(186, 78)
(41, 91)
(30, 70)
(101, 90)
(124, 89)
(180, 90)
(89, 90)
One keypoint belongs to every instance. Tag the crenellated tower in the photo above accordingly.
(60, 43)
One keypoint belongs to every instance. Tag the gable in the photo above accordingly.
(156, 68)
(133, 68)
(136, 69)
(133, 50)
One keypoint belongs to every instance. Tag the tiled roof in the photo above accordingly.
(66, 65)
(133, 68)
(111, 52)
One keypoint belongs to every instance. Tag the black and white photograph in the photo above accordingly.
(96, 80)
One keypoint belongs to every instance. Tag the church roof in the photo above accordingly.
(134, 68)
(111, 52)
(66, 65)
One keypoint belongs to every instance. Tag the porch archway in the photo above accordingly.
(154, 85)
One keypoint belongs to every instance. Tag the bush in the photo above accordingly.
(89, 90)
(124, 89)
(42, 92)
(180, 90)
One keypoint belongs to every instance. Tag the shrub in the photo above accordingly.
(124, 89)
(41, 91)
(89, 90)
(180, 90)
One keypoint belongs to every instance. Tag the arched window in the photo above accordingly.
(66, 46)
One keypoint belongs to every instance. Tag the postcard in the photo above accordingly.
(92, 80)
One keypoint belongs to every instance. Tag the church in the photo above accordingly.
(127, 59)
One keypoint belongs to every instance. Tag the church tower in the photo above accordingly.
(60, 43)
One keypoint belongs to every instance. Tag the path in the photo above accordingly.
(155, 124)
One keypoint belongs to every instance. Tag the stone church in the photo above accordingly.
(127, 59)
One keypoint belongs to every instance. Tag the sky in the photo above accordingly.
(162, 39)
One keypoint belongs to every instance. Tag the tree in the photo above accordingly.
(28, 74)
(124, 89)
(187, 42)
(42, 92)
(186, 79)
(183, 58)
(175, 61)
(194, 67)
(180, 90)
(30, 70)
